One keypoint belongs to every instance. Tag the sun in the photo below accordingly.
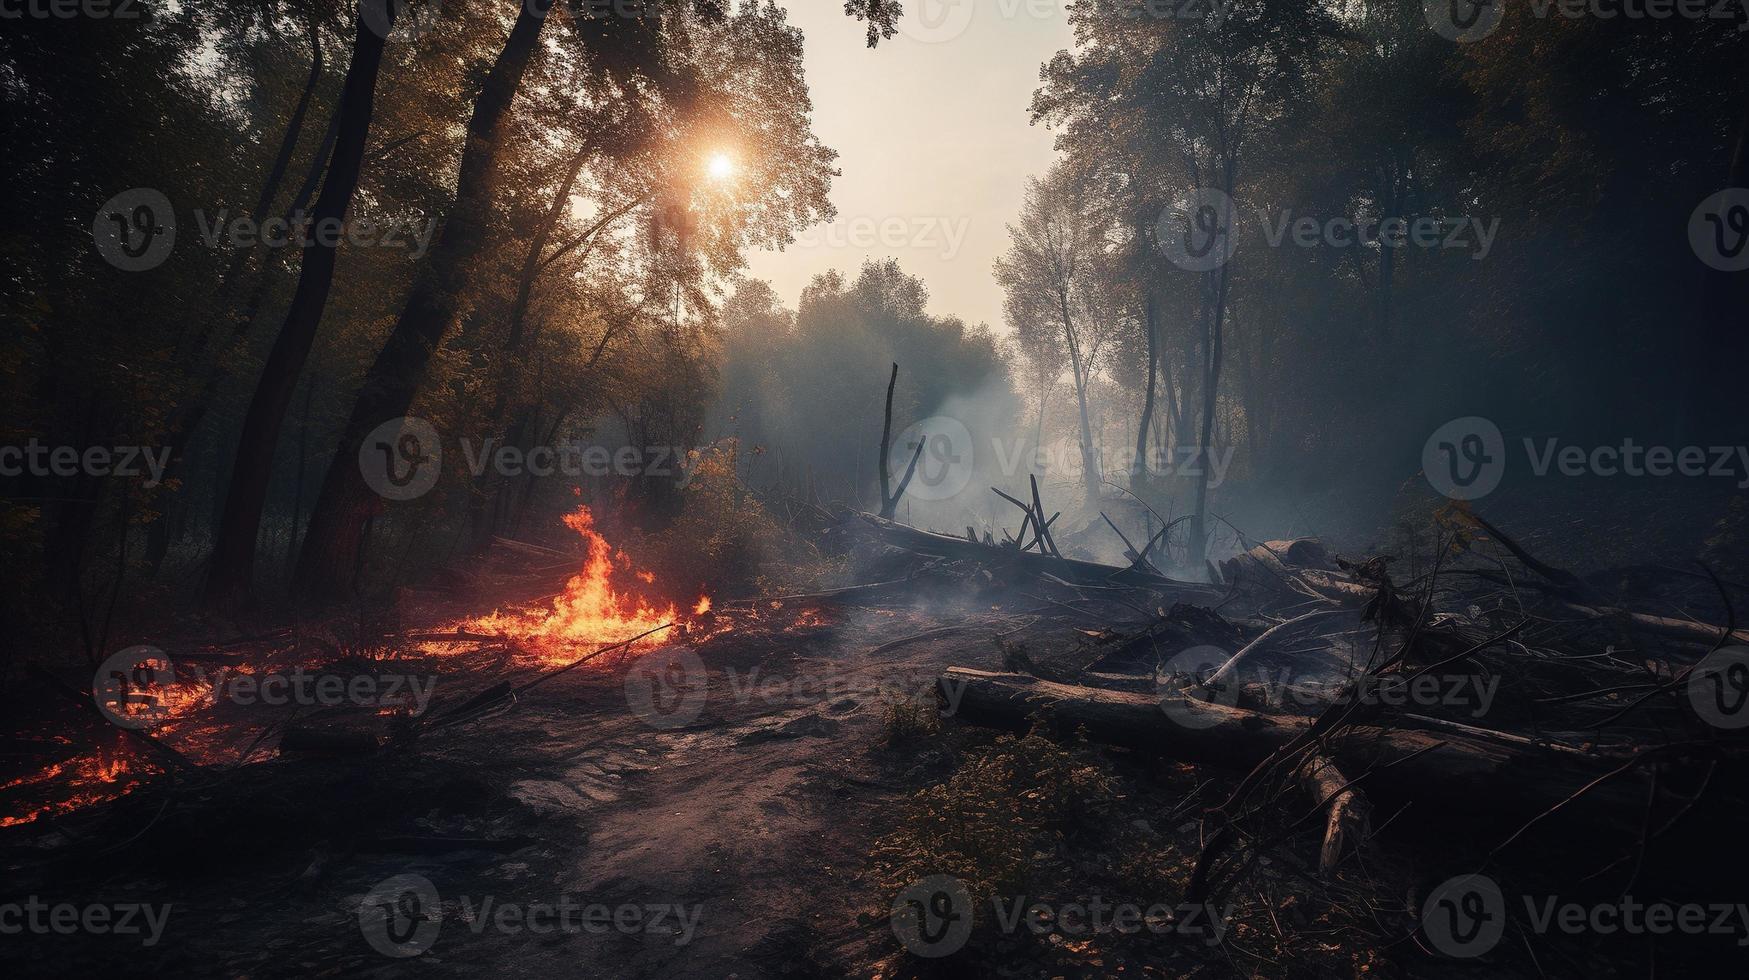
(721, 166)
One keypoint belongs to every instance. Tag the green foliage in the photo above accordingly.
(722, 541)
(1005, 804)
(806, 390)
(906, 723)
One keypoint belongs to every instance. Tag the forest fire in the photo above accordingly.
(607, 602)
(81, 781)
(170, 707)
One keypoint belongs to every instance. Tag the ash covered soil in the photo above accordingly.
(750, 799)
(726, 828)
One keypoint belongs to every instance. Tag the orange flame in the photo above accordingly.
(592, 609)
(94, 777)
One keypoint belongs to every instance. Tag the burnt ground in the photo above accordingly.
(783, 803)
(758, 814)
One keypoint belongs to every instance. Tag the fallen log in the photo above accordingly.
(528, 550)
(1350, 817)
(1463, 773)
(873, 590)
(955, 548)
(1677, 629)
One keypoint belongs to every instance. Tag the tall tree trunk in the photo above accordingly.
(328, 565)
(1139, 469)
(1210, 387)
(288, 145)
(1089, 460)
(231, 574)
(158, 529)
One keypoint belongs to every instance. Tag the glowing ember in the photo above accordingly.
(609, 601)
(81, 781)
(606, 603)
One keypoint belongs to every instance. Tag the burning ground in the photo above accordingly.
(758, 787)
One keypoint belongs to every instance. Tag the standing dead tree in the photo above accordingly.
(890, 501)
(1035, 521)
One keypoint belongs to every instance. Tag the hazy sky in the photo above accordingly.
(934, 142)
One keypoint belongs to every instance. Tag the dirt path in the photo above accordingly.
(720, 841)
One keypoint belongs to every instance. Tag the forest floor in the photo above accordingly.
(763, 832)
(743, 836)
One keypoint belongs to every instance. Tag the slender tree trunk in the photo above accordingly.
(1171, 393)
(1089, 460)
(288, 145)
(230, 578)
(1139, 469)
(158, 530)
(291, 544)
(328, 565)
(1210, 388)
